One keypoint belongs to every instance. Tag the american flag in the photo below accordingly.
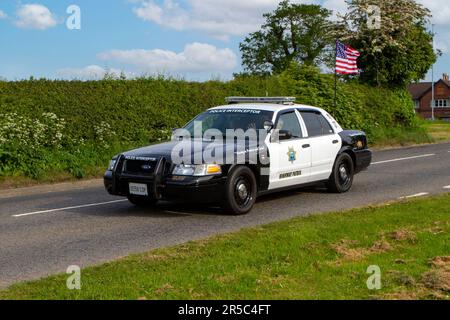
(346, 59)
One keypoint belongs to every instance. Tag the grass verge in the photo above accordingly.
(50, 177)
(438, 130)
(317, 257)
(400, 137)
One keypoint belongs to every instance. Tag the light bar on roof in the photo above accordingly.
(279, 100)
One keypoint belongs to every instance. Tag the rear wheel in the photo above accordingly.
(341, 179)
(240, 191)
(142, 201)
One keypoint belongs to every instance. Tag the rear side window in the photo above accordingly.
(326, 127)
(316, 124)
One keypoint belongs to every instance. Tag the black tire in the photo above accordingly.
(240, 191)
(341, 179)
(142, 201)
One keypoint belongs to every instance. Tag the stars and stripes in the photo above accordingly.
(346, 59)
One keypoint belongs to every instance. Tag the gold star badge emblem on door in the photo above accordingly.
(292, 155)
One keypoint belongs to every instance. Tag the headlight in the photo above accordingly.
(197, 170)
(112, 164)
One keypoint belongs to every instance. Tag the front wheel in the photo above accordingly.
(240, 191)
(142, 201)
(341, 179)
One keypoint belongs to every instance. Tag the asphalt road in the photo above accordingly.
(42, 234)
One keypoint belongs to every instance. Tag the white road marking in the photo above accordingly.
(447, 187)
(68, 208)
(422, 194)
(404, 159)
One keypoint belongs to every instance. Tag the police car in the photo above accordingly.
(231, 154)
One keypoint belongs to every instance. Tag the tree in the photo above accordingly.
(396, 52)
(292, 33)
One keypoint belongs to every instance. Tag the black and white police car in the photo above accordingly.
(234, 153)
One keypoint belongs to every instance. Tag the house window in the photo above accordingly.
(416, 104)
(442, 103)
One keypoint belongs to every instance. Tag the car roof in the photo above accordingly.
(267, 107)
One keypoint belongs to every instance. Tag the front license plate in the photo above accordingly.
(138, 189)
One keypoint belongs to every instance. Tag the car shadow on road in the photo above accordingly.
(166, 209)
(163, 209)
(291, 193)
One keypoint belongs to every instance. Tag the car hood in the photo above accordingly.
(194, 147)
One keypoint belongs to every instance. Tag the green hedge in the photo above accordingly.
(98, 118)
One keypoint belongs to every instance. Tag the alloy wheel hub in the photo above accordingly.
(242, 191)
(343, 173)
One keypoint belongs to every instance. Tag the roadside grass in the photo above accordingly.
(400, 137)
(89, 162)
(438, 130)
(316, 257)
(50, 177)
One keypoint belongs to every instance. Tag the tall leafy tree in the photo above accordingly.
(396, 51)
(292, 33)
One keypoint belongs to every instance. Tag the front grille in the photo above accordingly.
(140, 167)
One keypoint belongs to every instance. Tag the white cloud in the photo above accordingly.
(35, 16)
(2, 15)
(440, 10)
(93, 72)
(220, 19)
(195, 58)
(338, 6)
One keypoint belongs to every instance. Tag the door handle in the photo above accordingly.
(306, 146)
(335, 141)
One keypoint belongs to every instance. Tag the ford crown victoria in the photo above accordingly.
(234, 153)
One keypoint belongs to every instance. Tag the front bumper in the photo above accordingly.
(363, 160)
(208, 189)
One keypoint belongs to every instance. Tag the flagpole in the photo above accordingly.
(335, 76)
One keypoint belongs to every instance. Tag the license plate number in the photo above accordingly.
(138, 189)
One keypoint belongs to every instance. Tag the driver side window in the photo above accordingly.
(289, 121)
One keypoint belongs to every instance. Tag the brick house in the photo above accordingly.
(422, 96)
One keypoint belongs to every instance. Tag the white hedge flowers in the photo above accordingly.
(21, 131)
(103, 133)
(45, 131)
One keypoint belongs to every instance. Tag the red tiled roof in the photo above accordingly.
(417, 90)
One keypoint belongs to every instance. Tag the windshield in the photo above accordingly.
(223, 119)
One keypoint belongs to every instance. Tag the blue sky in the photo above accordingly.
(196, 39)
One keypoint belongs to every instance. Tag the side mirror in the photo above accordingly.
(280, 135)
(284, 135)
(268, 125)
